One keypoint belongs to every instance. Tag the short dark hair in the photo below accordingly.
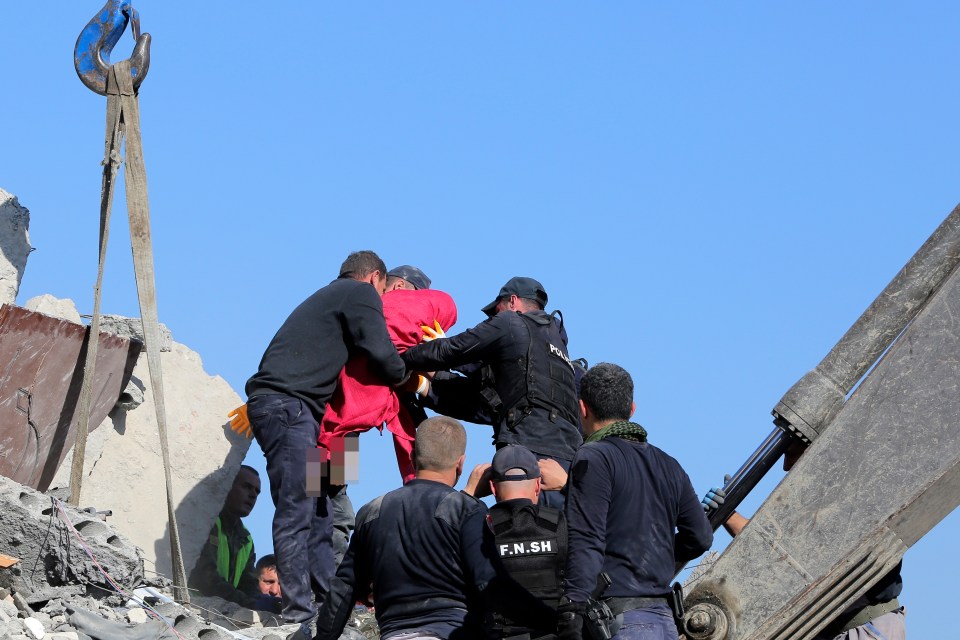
(607, 389)
(248, 468)
(439, 444)
(269, 561)
(360, 264)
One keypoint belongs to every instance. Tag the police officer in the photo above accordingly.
(526, 386)
(425, 552)
(531, 539)
(632, 514)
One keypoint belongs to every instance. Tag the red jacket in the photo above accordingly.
(361, 400)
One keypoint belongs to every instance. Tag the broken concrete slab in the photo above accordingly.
(123, 471)
(49, 305)
(45, 534)
(14, 245)
(133, 328)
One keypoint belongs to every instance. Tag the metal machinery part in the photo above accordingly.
(882, 469)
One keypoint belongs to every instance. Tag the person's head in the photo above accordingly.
(519, 294)
(243, 494)
(365, 266)
(407, 277)
(440, 446)
(267, 575)
(515, 473)
(606, 395)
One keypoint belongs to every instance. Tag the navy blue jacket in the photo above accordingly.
(306, 355)
(631, 512)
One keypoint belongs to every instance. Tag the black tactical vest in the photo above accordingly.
(544, 377)
(532, 543)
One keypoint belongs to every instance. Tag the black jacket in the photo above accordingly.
(631, 512)
(546, 420)
(306, 355)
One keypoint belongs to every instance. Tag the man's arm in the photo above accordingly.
(588, 501)
(445, 353)
(363, 316)
(458, 397)
(694, 533)
(344, 591)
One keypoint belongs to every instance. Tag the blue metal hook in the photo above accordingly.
(91, 57)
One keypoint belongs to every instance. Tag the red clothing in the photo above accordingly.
(361, 401)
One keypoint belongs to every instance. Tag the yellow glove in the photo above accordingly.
(239, 422)
(434, 332)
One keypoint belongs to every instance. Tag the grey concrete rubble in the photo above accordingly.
(133, 328)
(57, 591)
(14, 245)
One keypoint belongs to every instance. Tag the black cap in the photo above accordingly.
(514, 456)
(412, 275)
(522, 288)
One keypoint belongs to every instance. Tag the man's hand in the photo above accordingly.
(715, 497)
(239, 422)
(478, 484)
(570, 620)
(553, 477)
(434, 332)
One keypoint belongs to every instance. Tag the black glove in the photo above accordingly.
(570, 620)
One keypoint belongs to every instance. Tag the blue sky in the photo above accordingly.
(711, 192)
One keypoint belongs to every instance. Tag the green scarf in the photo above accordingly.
(622, 429)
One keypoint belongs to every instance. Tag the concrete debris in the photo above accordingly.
(48, 305)
(35, 527)
(57, 591)
(123, 471)
(14, 245)
(133, 328)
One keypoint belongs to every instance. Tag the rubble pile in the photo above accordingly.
(69, 575)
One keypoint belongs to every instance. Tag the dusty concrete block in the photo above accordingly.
(124, 471)
(137, 615)
(133, 328)
(48, 305)
(14, 245)
(53, 562)
(34, 628)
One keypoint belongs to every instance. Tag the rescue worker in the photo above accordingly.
(286, 401)
(425, 554)
(875, 614)
(531, 539)
(226, 566)
(632, 514)
(523, 382)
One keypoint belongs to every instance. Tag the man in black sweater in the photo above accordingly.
(286, 401)
(631, 512)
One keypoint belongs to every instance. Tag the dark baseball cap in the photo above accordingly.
(522, 288)
(514, 456)
(412, 275)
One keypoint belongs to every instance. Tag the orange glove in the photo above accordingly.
(416, 384)
(434, 332)
(239, 422)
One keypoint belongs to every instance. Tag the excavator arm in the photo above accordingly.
(882, 415)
